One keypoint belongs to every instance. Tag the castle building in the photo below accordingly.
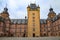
(31, 27)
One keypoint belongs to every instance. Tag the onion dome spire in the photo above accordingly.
(6, 9)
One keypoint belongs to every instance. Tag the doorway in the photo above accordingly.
(33, 34)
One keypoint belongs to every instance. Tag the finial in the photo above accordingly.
(33, 1)
(5, 9)
(25, 17)
(50, 6)
(28, 6)
(38, 5)
(6, 5)
(51, 9)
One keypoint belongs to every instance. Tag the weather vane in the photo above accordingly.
(6, 4)
(33, 1)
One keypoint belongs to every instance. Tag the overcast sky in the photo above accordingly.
(18, 8)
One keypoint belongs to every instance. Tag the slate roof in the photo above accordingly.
(33, 6)
(23, 21)
(42, 21)
(56, 17)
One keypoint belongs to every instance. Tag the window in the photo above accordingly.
(33, 29)
(33, 20)
(33, 13)
(33, 24)
(33, 17)
(44, 29)
(20, 29)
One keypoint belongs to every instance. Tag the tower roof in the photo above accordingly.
(6, 9)
(33, 6)
(51, 9)
(51, 14)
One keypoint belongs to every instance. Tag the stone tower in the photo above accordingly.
(33, 20)
(51, 14)
(5, 13)
(7, 22)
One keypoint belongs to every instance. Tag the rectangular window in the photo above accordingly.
(33, 29)
(33, 24)
(33, 17)
(33, 20)
(33, 13)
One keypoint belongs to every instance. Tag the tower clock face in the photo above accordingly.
(51, 15)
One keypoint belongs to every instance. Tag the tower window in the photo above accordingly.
(33, 17)
(33, 29)
(33, 20)
(33, 24)
(33, 13)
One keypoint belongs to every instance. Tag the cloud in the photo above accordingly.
(18, 8)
